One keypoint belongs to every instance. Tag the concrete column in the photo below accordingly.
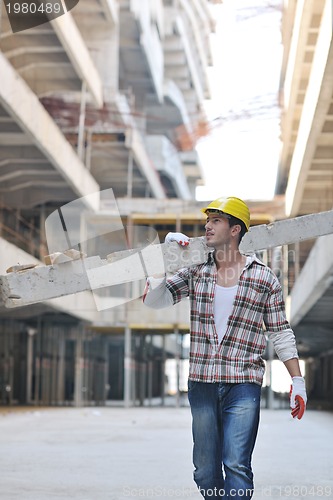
(130, 175)
(177, 358)
(143, 369)
(297, 260)
(127, 367)
(38, 362)
(81, 130)
(163, 371)
(78, 383)
(30, 341)
(61, 369)
(150, 371)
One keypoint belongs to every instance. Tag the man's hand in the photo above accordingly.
(180, 238)
(298, 397)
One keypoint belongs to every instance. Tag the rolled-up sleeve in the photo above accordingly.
(156, 294)
(162, 292)
(284, 344)
(278, 329)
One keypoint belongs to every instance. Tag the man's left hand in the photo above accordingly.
(298, 397)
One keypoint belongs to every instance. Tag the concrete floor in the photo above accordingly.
(117, 454)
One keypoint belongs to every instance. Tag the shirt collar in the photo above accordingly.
(249, 259)
(252, 258)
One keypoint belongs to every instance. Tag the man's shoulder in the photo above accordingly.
(257, 268)
(203, 268)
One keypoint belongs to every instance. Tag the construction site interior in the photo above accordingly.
(105, 104)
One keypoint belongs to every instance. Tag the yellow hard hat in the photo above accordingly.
(232, 206)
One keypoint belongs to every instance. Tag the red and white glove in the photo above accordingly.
(298, 397)
(180, 238)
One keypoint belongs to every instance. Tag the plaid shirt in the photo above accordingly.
(259, 301)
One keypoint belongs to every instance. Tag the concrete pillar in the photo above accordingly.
(163, 371)
(78, 382)
(38, 361)
(297, 260)
(127, 367)
(177, 358)
(61, 368)
(30, 341)
(82, 119)
(150, 371)
(143, 369)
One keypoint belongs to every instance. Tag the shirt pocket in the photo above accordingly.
(257, 293)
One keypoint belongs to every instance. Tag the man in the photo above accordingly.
(231, 297)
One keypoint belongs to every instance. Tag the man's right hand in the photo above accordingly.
(180, 238)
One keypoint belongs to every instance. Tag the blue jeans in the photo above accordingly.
(225, 419)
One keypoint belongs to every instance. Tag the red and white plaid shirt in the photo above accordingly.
(259, 301)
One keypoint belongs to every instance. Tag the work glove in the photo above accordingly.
(180, 238)
(298, 397)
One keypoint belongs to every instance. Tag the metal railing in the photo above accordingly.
(17, 230)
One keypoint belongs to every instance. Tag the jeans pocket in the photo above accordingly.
(190, 385)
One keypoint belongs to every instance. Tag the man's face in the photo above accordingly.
(218, 231)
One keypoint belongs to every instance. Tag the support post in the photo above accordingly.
(38, 358)
(30, 341)
(82, 119)
(61, 368)
(163, 371)
(127, 367)
(150, 371)
(130, 175)
(177, 368)
(143, 369)
(78, 369)
(297, 257)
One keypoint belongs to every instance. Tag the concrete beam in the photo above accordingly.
(303, 15)
(23, 105)
(111, 10)
(294, 74)
(80, 305)
(93, 273)
(190, 61)
(285, 232)
(199, 40)
(78, 54)
(135, 142)
(316, 106)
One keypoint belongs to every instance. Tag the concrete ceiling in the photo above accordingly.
(27, 177)
(306, 167)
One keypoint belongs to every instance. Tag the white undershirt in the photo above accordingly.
(223, 304)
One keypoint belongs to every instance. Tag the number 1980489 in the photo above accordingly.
(34, 8)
